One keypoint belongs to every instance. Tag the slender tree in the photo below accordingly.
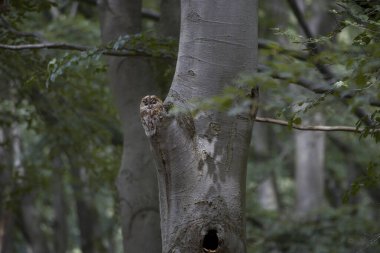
(310, 146)
(130, 79)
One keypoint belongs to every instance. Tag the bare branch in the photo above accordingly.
(311, 128)
(300, 18)
(263, 44)
(45, 45)
(66, 46)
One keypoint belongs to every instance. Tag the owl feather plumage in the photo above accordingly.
(151, 113)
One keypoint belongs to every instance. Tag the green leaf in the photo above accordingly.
(297, 121)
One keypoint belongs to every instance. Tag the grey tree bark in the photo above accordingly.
(310, 146)
(130, 79)
(201, 160)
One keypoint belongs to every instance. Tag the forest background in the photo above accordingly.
(61, 139)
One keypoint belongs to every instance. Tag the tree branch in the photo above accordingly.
(300, 18)
(67, 46)
(311, 128)
(319, 88)
(263, 44)
(150, 14)
(271, 45)
(311, 46)
(8, 26)
(327, 74)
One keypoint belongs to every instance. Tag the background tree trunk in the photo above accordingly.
(310, 146)
(202, 160)
(267, 190)
(29, 214)
(61, 232)
(6, 215)
(86, 212)
(130, 79)
(310, 157)
(170, 18)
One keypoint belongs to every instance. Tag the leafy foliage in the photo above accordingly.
(67, 129)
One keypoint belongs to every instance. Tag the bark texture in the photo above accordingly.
(130, 79)
(201, 160)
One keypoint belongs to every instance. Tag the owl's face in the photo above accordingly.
(150, 102)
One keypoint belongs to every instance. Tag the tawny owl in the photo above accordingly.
(151, 113)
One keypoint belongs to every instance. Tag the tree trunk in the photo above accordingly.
(29, 214)
(267, 190)
(267, 194)
(32, 224)
(130, 79)
(170, 18)
(61, 232)
(201, 160)
(6, 216)
(86, 212)
(310, 157)
(310, 146)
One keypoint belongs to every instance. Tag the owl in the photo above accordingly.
(151, 113)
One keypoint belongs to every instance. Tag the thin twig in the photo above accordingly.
(311, 128)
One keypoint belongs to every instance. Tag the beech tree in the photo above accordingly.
(129, 79)
(201, 159)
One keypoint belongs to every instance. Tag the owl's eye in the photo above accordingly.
(145, 102)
